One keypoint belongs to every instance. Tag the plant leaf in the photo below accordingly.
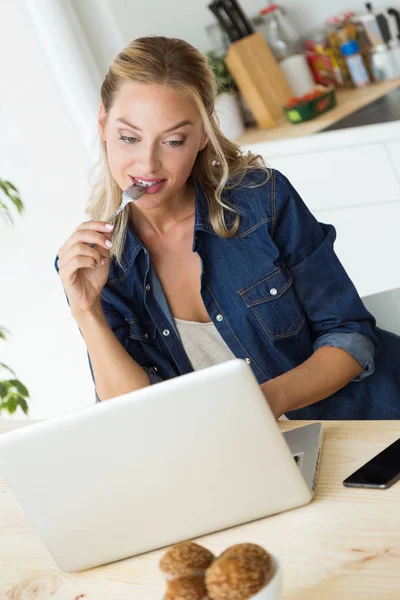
(4, 332)
(24, 405)
(20, 387)
(4, 212)
(17, 203)
(8, 188)
(12, 400)
(8, 368)
(9, 184)
(12, 403)
(223, 78)
(13, 195)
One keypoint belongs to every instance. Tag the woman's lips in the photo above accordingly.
(150, 189)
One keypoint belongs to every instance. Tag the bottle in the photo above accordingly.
(287, 49)
(355, 63)
(322, 65)
(335, 39)
(353, 30)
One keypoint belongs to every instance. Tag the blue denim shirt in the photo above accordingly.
(276, 291)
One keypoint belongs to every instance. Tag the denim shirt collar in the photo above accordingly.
(133, 244)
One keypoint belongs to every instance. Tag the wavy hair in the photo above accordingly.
(220, 165)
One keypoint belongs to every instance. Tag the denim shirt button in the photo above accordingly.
(146, 335)
(165, 332)
(148, 287)
(247, 360)
(219, 317)
(273, 291)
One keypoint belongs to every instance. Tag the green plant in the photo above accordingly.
(11, 194)
(225, 81)
(12, 392)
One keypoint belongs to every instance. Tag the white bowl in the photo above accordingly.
(273, 590)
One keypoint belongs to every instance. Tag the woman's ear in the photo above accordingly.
(101, 120)
(203, 142)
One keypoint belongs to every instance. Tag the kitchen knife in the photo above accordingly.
(247, 25)
(225, 25)
(233, 17)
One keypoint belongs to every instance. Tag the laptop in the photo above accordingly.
(174, 461)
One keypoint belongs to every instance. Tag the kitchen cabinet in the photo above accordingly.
(393, 149)
(350, 167)
(367, 244)
(341, 177)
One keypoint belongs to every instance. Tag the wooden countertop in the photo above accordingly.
(344, 544)
(348, 101)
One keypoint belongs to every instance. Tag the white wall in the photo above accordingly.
(187, 18)
(42, 153)
(44, 125)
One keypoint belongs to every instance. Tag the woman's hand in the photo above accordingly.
(80, 267)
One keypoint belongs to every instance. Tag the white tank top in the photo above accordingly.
(203, 344)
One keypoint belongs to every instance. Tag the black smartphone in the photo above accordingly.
(380, 472)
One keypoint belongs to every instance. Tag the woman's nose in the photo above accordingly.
(148, 159)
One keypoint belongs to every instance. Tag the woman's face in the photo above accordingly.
(146, 139)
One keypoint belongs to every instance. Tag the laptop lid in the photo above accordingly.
(173, 461)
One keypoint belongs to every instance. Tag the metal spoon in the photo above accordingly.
(132, 193)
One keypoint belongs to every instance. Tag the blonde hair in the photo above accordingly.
(175, 63)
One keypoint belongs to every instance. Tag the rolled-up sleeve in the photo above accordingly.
(357, 345)
(329, 299)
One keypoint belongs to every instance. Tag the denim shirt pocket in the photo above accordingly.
(142, 332)
(273, 302)
(143, 343)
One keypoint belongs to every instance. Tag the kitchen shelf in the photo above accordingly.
(348, 101)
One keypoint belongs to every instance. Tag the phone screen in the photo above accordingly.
(380, 472)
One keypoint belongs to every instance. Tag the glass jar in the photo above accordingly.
(278, 32)
(287, 49)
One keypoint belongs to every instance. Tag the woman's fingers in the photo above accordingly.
(78, 262)
(96, 225)
(91, 232)
(83, 250)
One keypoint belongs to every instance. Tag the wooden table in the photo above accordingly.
(344, 545)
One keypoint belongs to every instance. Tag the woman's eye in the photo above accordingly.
(126, 139)
(131, 140)
(175, 143)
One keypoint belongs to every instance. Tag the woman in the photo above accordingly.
(220, 258)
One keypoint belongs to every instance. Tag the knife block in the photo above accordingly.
(259, 79)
